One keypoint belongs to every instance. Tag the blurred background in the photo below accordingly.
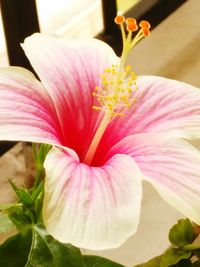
(80, 18)
(76, 19)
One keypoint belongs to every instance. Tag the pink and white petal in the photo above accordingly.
(163, 105)
(26, 110)
(91, 207)
(171, 165)
(70, 70)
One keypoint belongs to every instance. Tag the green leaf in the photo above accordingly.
(14, 251)
(181, 233)
(23, 195)
(6, 207)
(191, 247)
(9, 208)
(155, 262)
(173, 256)
(36, 192)
(40, 152)
(95, 261)
(5, 223)
(35, 248)
(48, 252)
(21, 221)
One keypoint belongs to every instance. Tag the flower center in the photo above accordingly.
(115, 95)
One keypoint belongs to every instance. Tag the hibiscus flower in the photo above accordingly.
(108, 129)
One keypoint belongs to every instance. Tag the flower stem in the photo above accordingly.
(97, 138)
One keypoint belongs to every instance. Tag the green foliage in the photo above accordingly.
(36, 248)
(23, 195)
(40, 153)
(172, 256)
(182, 236)
(47, 252)
(95, 261)
(155, 262)
(181, 233)
(28, 210)
(14, 251)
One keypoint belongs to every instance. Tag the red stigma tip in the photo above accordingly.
(146, 31)
(119, 19)
(131, 20)
(132, 27)
(145, 24)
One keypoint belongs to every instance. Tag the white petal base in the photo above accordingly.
(91, 207)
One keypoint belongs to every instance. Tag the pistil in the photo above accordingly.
(97, 138)
(115, 94)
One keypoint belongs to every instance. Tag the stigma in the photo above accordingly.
(115, 94)
(132, 33)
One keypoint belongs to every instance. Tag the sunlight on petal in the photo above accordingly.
(162, 106)
(26, 110)
(70, 70)
(91, 207)
(171, 165)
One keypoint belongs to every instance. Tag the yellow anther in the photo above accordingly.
(130, 83)
(115, 94)
(106, 97)
(133, 76)
(128, 69)
(110, 107)
(124, 98)
(119, 81)
(105, 83)
(114, 71)
(107, 70)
